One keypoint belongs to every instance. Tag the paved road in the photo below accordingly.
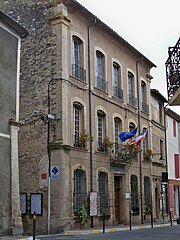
(165, 233)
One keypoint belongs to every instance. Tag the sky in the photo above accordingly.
(151, 26)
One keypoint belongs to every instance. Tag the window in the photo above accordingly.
(100, 72)
(161, 149)
(103, 192)
(131, 98)
(145, 107)
(145, 143)
(80, 194)
(117, 130)
(160, 113)
(174, 128)
(77, 59)
(134, 194)
(131, 127)
(176, 165)
(78, 121)
(117, 81)
(101, 128)
(147, 194)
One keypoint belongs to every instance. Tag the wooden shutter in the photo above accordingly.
(176, 165)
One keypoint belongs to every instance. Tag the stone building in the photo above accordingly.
(81, 85)
(10, 41)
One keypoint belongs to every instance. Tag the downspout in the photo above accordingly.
(90, 108)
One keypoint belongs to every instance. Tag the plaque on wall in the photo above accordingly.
(36, 203)
(93, 203)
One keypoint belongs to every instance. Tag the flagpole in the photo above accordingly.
(139, 130)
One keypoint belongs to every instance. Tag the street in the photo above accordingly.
(165, 233)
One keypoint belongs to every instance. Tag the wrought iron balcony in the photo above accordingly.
(123, 155)
(145, 107)
(77, 142)
(78, 72)
(102, 84)
(118, 92)
(173, 73)
(132, 101)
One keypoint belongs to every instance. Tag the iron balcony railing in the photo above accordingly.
(78, 72)
(77, 142)
(118, 92)
(132, 101)
(102, 84)
(145, 107)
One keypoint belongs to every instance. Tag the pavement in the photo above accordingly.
(91, 231)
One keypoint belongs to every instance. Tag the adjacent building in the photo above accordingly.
(10, 41)
(173, 157)
(81, 86)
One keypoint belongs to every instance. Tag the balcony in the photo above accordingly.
(123, 155)
(78, 72)
(173, 74)
(132, 101)
(101, 84)
(118, 92)
(145, 108)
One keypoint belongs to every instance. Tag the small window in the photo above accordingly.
(174, 128)
(145, 107)
(131, 127)
(80, 193)
(176, 165)
(161, 149)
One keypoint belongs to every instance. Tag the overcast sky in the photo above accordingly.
(151, 26)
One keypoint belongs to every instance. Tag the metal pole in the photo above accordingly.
(34, 226)
(104, 217)
(151, 218)
(139, 130)
(130, 223)
(90, 111)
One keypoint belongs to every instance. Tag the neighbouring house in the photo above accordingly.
(159, 159)
(173, 161)
(82, 85)
(10, 41)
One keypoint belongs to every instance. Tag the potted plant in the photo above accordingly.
(107, 143)
(84, 136)
(82, 213)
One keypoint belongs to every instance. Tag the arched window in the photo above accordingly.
(117, 130)
(134, 194)
(103, 192)
(145, 143)
(78, 119)
(131, 86)
(117, 81)
(147, 193)
(131, 126)
(100, 71)
(80, 193)
(78, 59)
(101, 127)
(145, 107)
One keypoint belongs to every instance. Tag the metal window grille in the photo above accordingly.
(77, 110)
(100, 129)
(103, 195)
(134, 194)
(80, 194)
(147, 191)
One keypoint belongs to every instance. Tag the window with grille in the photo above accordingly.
(100, 127)
(103, 192)
(100, 72)
(78, 121)
(145, 143)
(134, 194)
(80, 193)
(147, 193)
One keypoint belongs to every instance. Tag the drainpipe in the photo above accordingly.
(90, 109)
(139, 131)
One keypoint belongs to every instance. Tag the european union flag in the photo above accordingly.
(126, 135)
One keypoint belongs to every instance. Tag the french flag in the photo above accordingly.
(141, 137)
